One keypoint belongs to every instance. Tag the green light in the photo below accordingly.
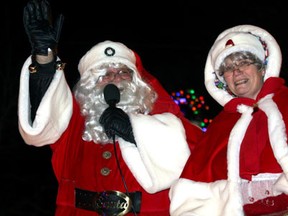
(192, 91)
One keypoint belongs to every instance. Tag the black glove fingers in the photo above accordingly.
(45, 12)
(39, 10)
(32, 15)
(29, 14)
(116, 122)
(120, 114)
(113, 114)
(120, 126)
(107, 115)
(123, 117)
(117, 116)
(103, 118)
(34, 10)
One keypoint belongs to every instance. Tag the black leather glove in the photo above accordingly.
(116, 122)
(37, 21)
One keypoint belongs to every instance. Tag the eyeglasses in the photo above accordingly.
(109, 76)
(241, 66)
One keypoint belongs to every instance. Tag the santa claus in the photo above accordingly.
(118, 139)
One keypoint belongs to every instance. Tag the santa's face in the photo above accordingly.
(135, 96)
(115, 75)
(122, 77)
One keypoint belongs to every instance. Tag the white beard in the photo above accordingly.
(133, 99)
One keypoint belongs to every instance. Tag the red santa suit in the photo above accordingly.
(242, 159)
(88, 171)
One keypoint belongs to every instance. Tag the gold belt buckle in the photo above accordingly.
(111, 203)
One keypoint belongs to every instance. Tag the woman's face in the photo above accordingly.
(243, 78)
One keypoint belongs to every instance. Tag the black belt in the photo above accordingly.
(108, 202)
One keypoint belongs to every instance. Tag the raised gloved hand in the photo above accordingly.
(37, 21)
(116, 122)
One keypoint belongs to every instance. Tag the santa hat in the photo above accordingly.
(240, 38)
(235, 42)
(116, 52)
(107, 52)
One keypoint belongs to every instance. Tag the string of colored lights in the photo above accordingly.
(193, 107)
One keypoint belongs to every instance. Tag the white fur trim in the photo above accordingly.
(281, 185)
(234, 143)
(190, 198)
(53, 114)
(97, 56)
(242, 42)
(274, 59)
(276, 130)
(161, 151)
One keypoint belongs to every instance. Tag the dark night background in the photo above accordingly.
(173, 40)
